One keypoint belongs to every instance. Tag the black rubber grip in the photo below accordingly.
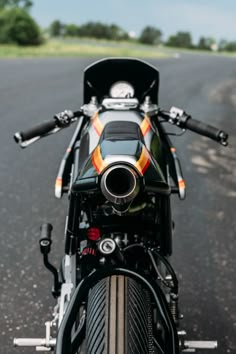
(38, 130)
(205, 129)
(46, 231)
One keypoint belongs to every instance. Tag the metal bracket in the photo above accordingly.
(176, 112)
(67, 287)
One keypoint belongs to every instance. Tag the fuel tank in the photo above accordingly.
(124, 138)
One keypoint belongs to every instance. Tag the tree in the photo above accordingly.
(230, 47)
(56, 28)
(100, 30)
(117, 33)
(206, 43)
(25, 4)
(202, 44)
(18, 27)
(180, 40)
(90, 29)
(94, 30)
(71, 30)
(227, 46)
(150, 35)
(222, 45)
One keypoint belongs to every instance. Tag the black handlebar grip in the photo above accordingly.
(206, 130)
(39, 130)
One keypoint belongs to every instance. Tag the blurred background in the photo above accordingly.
(109, 27)
(44, 48)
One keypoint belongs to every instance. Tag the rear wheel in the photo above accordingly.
(119, 318)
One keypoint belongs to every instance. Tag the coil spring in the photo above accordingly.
(150, 326)
(174, 307)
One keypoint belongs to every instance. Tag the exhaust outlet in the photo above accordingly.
(120, 185)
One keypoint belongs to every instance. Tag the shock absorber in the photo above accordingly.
(174, 308)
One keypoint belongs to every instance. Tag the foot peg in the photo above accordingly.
(191, 346)
(45, 248)
(46, 238)
(42, 344)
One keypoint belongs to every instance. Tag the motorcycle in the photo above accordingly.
(116, 290)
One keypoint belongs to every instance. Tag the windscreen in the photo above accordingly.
(101, 75)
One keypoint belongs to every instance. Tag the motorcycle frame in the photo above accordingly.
(68, 165)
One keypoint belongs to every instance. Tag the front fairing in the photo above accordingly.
(100, 76)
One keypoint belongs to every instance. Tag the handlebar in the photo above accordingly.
(60, 120)
(175, 116)
(180, 118)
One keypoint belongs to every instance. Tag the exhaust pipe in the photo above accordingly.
(120, 185)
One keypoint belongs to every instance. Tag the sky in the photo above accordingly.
(211, 18)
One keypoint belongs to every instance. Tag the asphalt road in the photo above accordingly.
(204, 241)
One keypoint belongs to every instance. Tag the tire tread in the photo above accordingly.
(118, 318)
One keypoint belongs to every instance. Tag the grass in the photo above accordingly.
(94, 48)
(198, 51)
(82, 48)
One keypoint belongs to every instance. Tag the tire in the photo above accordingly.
(119, 318)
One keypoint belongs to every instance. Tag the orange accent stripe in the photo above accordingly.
(182, 184)
(58, 182)
(146, 166)
(145, 126)
(143, 162)
(97, 124)
(97, 160)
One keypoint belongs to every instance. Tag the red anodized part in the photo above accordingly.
(89, 251)
(93, 233)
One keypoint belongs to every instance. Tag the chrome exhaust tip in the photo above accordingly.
(120, 185)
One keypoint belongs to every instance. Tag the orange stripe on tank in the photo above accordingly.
(145, 126)
(97, 124)
(97, 160)
(144, 161)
